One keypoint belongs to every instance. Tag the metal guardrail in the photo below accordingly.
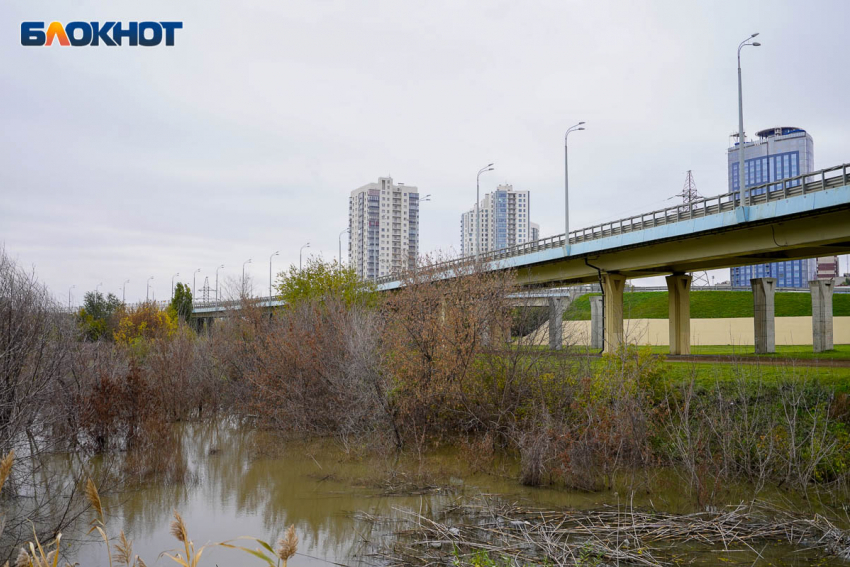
(758, 194)
(530, 294)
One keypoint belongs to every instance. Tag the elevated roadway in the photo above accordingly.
(800, 217)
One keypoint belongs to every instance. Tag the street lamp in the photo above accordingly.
(277, 253)
(194, 284)
(216, 281)
(124, 291)
(96, 288)
(299, 255)
(741, 177)
(488, 167)
(177, 275)
(340, 244)
(69, 296)
(567, 186)
(148, 289)
(248, 261)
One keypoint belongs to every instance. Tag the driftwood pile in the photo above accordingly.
(507, 534)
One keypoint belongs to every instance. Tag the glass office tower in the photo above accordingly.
(777, 153)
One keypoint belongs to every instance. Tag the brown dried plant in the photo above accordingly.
(287, 545)
(6, 467)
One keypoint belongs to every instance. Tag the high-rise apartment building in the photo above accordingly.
(777, 153)
(504, 221)
(383, 222)
(827, 267)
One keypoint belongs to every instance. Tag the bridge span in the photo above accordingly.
(799, 217)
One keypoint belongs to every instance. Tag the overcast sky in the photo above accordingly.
(247, 136)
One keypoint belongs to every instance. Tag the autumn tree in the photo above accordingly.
(320, 280)
(146, 321)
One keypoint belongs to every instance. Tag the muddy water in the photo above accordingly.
(240, 482)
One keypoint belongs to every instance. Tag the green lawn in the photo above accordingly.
(709, 305)
(800, 352)
(707, 374)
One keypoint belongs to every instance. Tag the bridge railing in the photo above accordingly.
(771, 191)
(224, 304)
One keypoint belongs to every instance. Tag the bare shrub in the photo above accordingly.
(318, 372)
(781, 433)
(438, 326)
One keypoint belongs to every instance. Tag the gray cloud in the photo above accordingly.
(247, 136)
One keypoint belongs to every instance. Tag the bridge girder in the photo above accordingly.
(819, 234)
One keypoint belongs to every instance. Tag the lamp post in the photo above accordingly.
(124, 291)
(489, 167)
(177, 275)
(248, 261)
(148, 289)
(340, 244)
(216, 281)
(277, 253)
(299, 255)
(96, 288)
(741, 176)
(567, 186)
(69, 296)
(194, 283)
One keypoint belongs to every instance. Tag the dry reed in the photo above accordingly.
(287, 545)
(616, 535)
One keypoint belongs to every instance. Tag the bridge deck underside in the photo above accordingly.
(819, 233)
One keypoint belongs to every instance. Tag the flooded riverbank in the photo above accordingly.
(244, 482)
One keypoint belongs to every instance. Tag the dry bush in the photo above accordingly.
(437, 327)
(184, 370)
(34, 336)
(35, 340)
(610, 423)
(317, 371)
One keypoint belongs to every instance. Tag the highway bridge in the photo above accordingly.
(799, 217)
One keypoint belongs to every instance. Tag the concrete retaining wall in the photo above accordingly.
(729, 331)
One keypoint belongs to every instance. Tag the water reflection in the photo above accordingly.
(239, 481)
(244, 482)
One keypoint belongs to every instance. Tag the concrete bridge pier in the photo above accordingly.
(613, 286)
(596, 323)
(557, 305)
(764, 314)
(821, 314)
(679, 308)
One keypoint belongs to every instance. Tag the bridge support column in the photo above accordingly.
(764, 313)
(613, 286)
(596, 324)
(556, 322)
(679, 313)
(821, 314)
